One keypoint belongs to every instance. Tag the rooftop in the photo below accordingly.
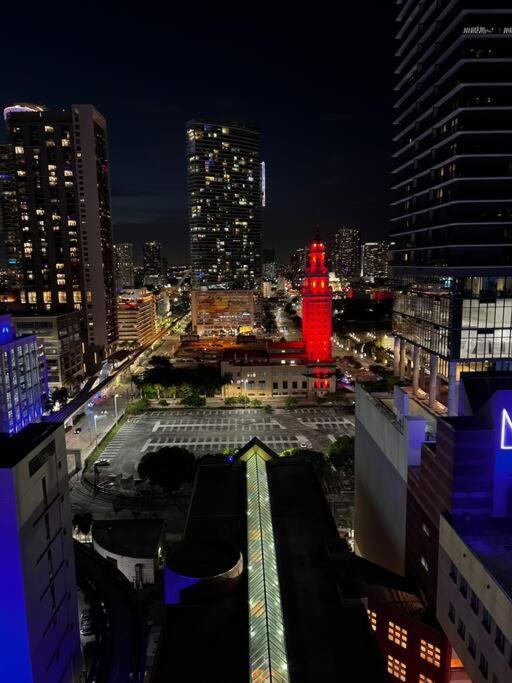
(15, 447)
(129, 537)
(491, 541)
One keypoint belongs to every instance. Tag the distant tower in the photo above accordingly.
(317, 306)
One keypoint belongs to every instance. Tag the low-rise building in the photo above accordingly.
(134, 546)
(136, 317)
(277, 369)
(225, 313)
(58, 336)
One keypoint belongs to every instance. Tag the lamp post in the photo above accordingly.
(115, 405)
(96, 428)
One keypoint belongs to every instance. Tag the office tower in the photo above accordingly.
(375, 259)
(124, 264)
(346, 252)
(137, 317)
(10, 246)
(23, 386)
(39, 637)
(63, 208)
(225, 199)
(152, 260)
(317, 306)
(269, 270)
(452, 216)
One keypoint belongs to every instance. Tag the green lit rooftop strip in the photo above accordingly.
(267, 647)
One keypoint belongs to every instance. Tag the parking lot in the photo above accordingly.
(211, 431)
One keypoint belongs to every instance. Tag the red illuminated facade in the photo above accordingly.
(317, 306)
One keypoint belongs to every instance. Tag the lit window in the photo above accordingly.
(32, 298)
(65, 142)
(19, 150)
(47, 297)
(425, 679)
(62, 298)
(372, 616)
(397, 668)
(397, 634)
(430, 653)
(48, 129)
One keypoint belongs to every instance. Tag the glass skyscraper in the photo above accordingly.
(225, 196)
(452, 183)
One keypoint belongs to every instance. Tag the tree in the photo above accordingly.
(267, 409)
(256, 403)
(82, 522)
(139, 406)
(190, 396)
(60, 395)
(169, 468)
(341, 454)
(291, 402)
(316, 458)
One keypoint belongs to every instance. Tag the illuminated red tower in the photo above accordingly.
(317, 306)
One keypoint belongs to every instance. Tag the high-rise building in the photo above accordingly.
(269, 270)
(39, 636)
(124, 264)
(152, 260)
(59, 339)
(64, 222)
(225, 199)
(10, 245)
(346, 252)
(23, 382)
(299, 261)
(375, 259)
(451, 181)
(137, 317)
(317, 306)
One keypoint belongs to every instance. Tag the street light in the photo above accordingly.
(115, 404)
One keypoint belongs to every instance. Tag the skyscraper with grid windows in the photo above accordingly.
(452, 184)
(225, 197)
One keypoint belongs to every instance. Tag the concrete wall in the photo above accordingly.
(385, 448)
(491, 596)
(38, 569)
(127, 565)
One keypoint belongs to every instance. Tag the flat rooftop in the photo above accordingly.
(129, 537)
(491, 541)
(14, 447)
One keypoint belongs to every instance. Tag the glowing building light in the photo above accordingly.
(267, 648)
(506, 431)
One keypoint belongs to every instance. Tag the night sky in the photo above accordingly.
(318, 85)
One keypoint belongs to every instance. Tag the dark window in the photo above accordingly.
(472, 646)
(275, 385)
(451, 612)
(475, 602)
(483, 666)
(461, 628)
(285, 385)
(499, 639)
(304, 385)
(463, 587)
(486, 620)
(39, 460)
(294, 385)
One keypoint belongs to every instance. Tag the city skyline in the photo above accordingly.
(157, 92)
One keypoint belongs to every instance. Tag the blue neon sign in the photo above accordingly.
(506, 431)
